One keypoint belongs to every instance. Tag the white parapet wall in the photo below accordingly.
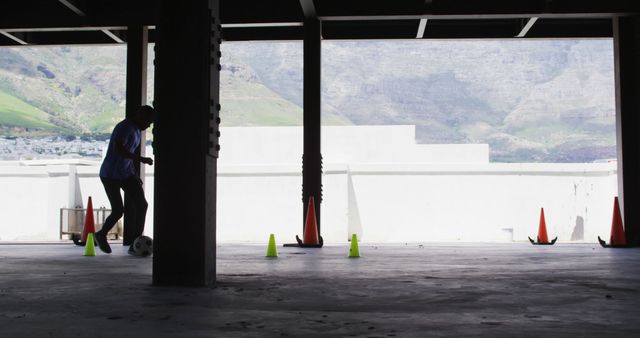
(490, 202)
(344, 144)
(376, 182)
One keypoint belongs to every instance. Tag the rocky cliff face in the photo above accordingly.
(531, 100)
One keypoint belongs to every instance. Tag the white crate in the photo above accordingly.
(72, 221)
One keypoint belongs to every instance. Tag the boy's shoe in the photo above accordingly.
(101, 239)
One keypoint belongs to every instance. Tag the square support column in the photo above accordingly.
(186, 142)
(137, 42)
(312, 157)
(626, 38)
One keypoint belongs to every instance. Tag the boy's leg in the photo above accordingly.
(130, 228)
(133, 188)
(112, 188)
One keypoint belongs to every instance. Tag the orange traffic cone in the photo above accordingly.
(617, 230)
(311, 225)
(311, 238)
(617, 239)
(543, 239)
(89, 224)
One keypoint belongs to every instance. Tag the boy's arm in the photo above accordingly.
(122, 151)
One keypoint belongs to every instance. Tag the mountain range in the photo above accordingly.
(530, 100)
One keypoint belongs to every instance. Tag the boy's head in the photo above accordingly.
(145, 117)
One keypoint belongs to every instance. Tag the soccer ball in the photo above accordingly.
(143, 246)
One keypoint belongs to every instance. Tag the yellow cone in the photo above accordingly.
(89, 247)
(271, 249)
(354, 252)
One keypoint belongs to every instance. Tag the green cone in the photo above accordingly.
(89, 247)
(271, 249)
(354, 252)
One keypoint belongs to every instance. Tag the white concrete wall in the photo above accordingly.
(487, 203)
(415, 198)
(344, 144)
(382, 203)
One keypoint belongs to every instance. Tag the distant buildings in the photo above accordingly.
(54, 147)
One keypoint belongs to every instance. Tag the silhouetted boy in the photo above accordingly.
(118, 172)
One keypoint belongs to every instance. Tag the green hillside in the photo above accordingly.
(17, 113)
(252, 104)
(71, 90)
(249, 103)
(104, 121)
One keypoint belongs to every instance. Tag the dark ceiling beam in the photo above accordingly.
(533, 7)
(525, 29)
(273, 33)
(436, 29)
(353, 19)
(472, 29)
(61, 38)
(421, 27)
(123, 12)
(453, 9)
(19, 14)
(466, 17)
(373, 7)
(73, 6)
(13, 38)
(60, 24)
(262, 25)
(468, 29)
(260, 11)
(65, 38)
(388, 29)
(63, 29)
(5, 41)
(308, 9)
(112, 35)
(556, 28)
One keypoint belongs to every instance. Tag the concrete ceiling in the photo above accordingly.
(70, 22)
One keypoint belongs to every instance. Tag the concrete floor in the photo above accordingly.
(392, 291)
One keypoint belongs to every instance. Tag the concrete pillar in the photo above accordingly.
(626, 38)
(137, 42)
(312, 158)
(74, 198)
(186, 142)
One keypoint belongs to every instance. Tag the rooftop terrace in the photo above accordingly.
(404, 290)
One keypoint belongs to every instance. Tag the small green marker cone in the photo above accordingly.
(354, 252)
(271, 249)
(89, 248)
